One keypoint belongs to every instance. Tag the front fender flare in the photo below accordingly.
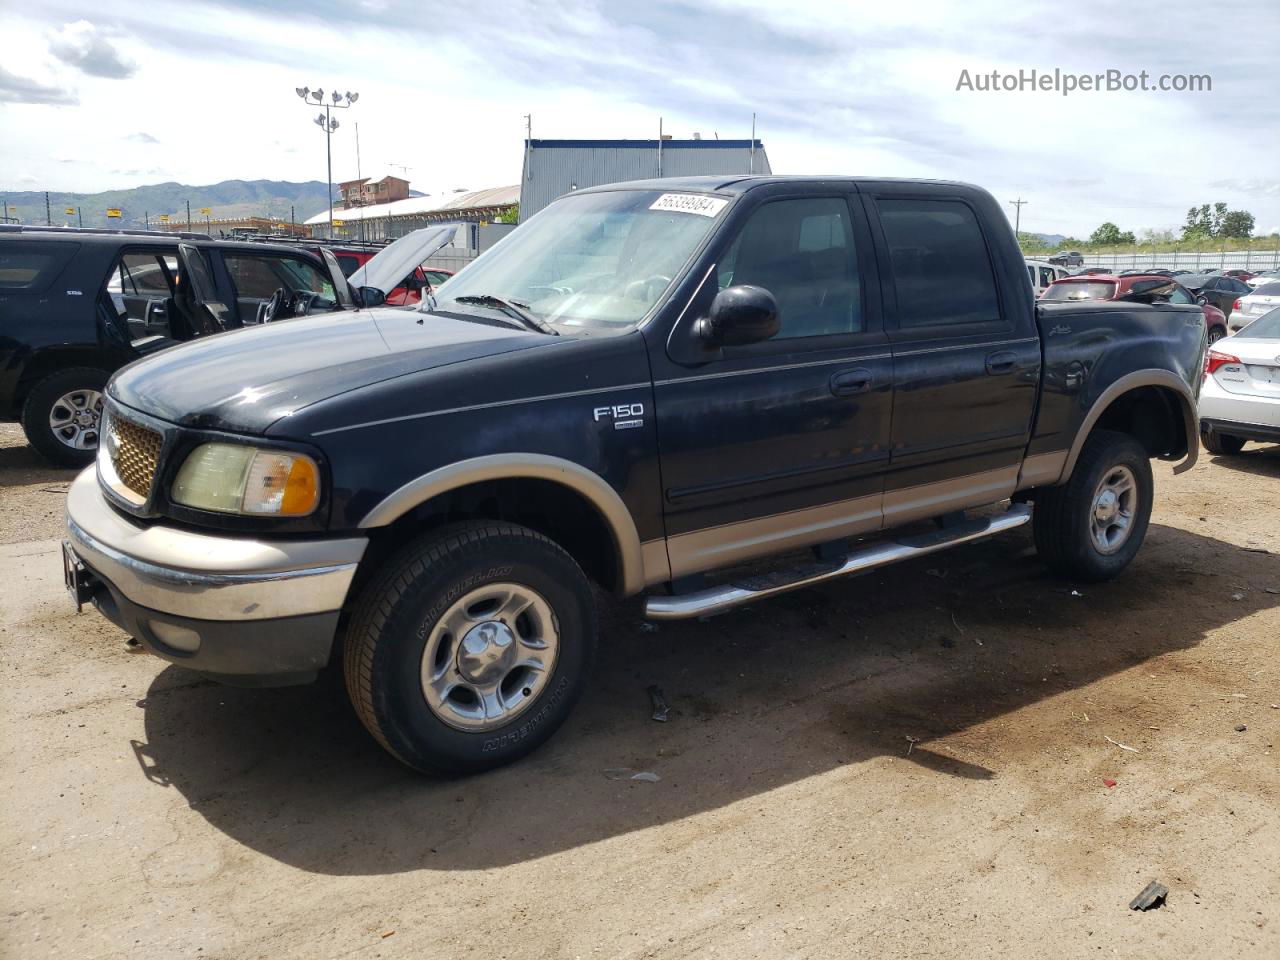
(504, 466)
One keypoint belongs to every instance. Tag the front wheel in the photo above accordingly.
(471, 647)
(1221, 444)
(1092, 526)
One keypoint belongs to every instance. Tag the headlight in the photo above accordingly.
(232, 478)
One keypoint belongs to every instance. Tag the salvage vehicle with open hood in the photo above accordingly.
(708, 391)
(77, 305)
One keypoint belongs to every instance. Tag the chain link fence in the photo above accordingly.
(1195, 261)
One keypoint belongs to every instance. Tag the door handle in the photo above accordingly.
(1002, 362)
(848, 382)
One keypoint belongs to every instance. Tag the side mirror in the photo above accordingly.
(1202, 299)
(740, 315)
(371, 297)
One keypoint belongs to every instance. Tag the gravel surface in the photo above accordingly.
(959, 756)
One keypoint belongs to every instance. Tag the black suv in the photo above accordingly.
(654, 387)
(76, 305)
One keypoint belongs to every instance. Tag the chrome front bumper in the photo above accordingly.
(205, 576)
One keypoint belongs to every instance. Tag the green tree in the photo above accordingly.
(509, 215)
(1236, 223)
(1108, 235)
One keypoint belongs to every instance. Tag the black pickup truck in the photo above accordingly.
(644, 388)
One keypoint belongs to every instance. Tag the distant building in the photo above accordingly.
(215, 226)
(553, 168)
(384, 220)
(362, 193)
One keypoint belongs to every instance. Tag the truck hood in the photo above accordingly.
(245, 380)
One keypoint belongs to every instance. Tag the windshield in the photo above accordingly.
(598, 261)
(1080, 290)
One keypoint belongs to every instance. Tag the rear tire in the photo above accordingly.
(62, 413)
(440, 653)
(1216, 334)
(1221, 444)
(1092, 526)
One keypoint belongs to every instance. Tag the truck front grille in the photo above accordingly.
(135, 454)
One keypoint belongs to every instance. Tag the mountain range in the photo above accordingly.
(230, 198)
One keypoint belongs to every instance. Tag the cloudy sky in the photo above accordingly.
(115, 94)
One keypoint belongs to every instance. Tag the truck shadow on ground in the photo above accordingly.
(887, 665)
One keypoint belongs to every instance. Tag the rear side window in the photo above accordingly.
(941, 271)
(348, 263)
(1267, 289)
(31, 265)
(1047, 276)
(1080, 290)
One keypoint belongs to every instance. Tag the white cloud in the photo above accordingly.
(82, 45)
(16, 89)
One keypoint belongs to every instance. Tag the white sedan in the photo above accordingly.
(1251, 306)
(1240, 397)
(1266, 276)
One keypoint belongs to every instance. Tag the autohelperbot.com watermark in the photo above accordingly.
(1066, 83)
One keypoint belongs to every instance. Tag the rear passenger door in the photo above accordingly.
(966, 356)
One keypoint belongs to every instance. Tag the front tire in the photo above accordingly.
(471, 647)
(1091, 527)
(1221, 444)
(62, 414)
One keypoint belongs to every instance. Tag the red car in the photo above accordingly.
(1106, 286)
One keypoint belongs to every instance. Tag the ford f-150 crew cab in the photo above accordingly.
(644, 388)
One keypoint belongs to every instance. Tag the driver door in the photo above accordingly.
(255, 277)
(785, 443)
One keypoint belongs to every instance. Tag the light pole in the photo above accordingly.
(1017, 216)
(325, 121)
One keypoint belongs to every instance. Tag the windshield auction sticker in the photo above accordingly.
(690, 203)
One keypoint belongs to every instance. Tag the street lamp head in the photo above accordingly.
(333, 125)
(352, 97)
(320, 120)
(318, 94)
(336, 96)
(301, 91)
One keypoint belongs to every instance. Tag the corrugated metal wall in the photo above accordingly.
(553, 167)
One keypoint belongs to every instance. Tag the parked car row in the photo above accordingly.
(76, 305)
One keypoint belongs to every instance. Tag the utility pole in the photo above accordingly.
(188, 216)
(528, 145)
(1017, 216)
(659, 148)
(753, 143)
(359, 176)
(48, 215)
(293, 221)
(146, 219)
(326, 123)
(80, 216)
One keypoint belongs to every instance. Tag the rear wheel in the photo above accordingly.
(471, 647)
(1221, 444)
(1092, 526)
(1216, 334)
(62, 415)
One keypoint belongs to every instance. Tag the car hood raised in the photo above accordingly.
(245, 380)
(387, 268)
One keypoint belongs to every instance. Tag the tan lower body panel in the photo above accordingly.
(1042, 469)
(735, 542)
(732, 543)
(932, 499)
(657, 569)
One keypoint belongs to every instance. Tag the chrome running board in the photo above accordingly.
(725, 596)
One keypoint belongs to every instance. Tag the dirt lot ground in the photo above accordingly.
(914, 763)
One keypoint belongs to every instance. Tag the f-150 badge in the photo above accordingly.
(625, 416)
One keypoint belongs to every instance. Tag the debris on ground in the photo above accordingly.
(660, 706)
(626, 773)
(1237, 596)
(911, 743)
(1241, 728)
(133, 645)
(1271, 589)
(1153, 895)
(1108, 783)
(389, 933)
(648, 626)
(1076, 593)
(1121, 745)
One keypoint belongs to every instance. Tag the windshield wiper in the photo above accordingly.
(512, 308)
